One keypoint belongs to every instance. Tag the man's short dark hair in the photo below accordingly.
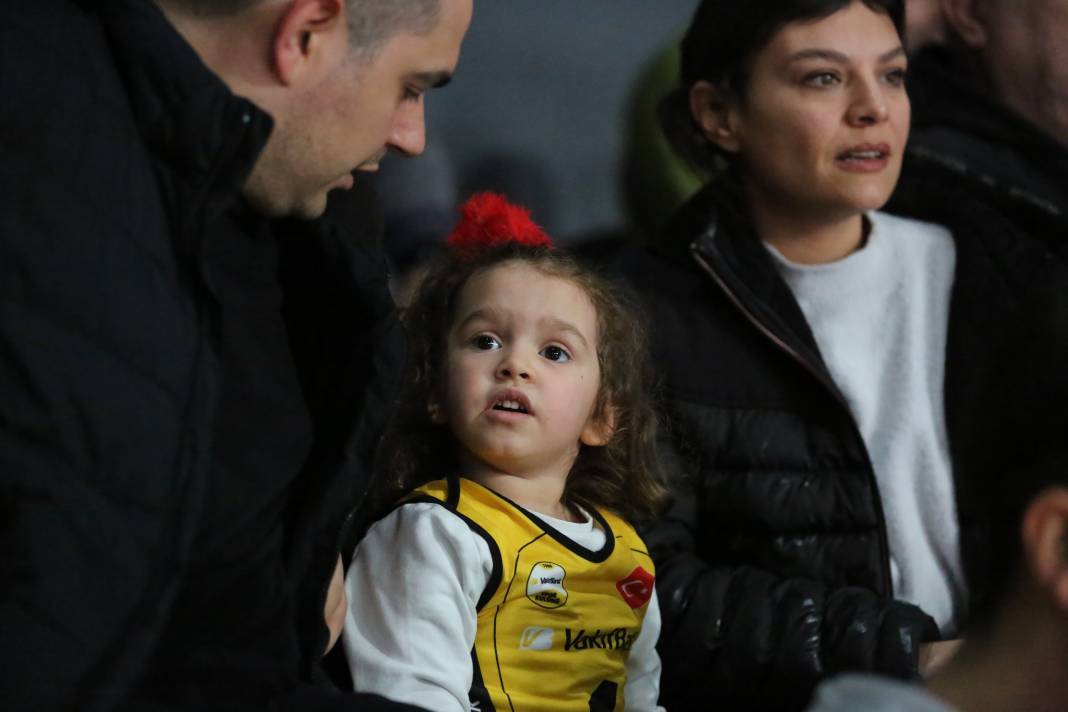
(371, 22)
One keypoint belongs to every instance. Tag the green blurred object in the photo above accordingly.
(656, 179)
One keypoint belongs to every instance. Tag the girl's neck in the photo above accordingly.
(810, 238)
(541, 492)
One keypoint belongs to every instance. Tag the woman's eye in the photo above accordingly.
(555, 353)
(485, 342)
(896, 77)
(821, 79)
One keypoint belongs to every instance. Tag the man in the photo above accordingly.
(990, 109)
(184, 383)
(1016, 649)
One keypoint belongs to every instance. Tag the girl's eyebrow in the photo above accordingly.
(557, 324)
(486, 313)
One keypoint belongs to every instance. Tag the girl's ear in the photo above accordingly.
(713, 113)
(599, 428)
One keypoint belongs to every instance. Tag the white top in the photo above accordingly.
(412, 590)
(880, 318)
(873, 693)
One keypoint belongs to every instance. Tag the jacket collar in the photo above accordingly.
(714, 228)
(188, 117)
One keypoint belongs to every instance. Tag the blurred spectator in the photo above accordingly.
(990, 109)
(924, 24)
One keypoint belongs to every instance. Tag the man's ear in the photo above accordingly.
(966, 19)
(437, 414)
(599, 428)
(1045, 541)
(307, 39)
(711, 109)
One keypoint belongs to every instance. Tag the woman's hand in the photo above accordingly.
(336, 603)
(934, 656)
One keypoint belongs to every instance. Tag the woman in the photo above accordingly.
(818, 359)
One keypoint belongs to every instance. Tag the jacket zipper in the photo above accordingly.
(831, 386)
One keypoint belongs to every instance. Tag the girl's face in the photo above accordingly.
(822, 125)
(522, 374)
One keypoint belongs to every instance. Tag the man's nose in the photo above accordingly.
(408, 132)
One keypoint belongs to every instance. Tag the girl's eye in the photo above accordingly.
(555, 353)
(821, 79)
(485, 342)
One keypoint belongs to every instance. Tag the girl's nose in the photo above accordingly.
(510, 369)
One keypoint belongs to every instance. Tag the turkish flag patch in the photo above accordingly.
(637, 588)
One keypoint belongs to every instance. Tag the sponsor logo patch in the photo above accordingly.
(637, 588)
(615, 639)
(545, 585)
(535, 638)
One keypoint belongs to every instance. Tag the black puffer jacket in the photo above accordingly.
(123, 156)
(772, 568)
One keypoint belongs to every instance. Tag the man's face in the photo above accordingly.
(351, 116)
(1026, 54)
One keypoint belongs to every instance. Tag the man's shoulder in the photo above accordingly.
(873, 693)
(60, 89)
(46, 39)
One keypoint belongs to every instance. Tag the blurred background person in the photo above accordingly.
(924, 24)
(991, 110)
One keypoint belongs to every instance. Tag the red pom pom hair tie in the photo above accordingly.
(489, 220)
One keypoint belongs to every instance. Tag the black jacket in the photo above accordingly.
(960, 129)
(123, 159)
(773, 566)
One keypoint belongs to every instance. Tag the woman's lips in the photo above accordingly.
(864, 158)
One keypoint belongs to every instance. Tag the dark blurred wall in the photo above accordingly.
(538, 106)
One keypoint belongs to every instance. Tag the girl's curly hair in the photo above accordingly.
(622, 476)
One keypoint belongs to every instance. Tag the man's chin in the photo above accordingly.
(310, 208)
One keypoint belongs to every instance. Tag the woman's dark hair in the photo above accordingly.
(622, 476)
(719, 46)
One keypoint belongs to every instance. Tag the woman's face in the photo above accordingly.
(823, 122)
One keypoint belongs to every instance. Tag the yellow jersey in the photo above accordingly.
(556, 620)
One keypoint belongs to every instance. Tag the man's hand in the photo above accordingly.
(336, 604)
(934, 656)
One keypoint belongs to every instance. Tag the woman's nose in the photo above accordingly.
(869, 106)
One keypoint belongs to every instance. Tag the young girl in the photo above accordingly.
(509, 578)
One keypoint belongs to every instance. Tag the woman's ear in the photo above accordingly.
(966, 19)
(711, 109)
(599, 428)
(1044, 536)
